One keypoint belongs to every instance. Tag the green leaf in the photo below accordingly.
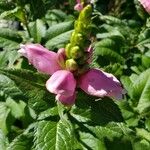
(4, 113)
(108, 43)
(147, 124)
(37, 30)
(21, 142)
(9, 39)
(59, 41)
(114, 33)
(143, 133)
(108, 54)
(101, 136)
(33, 87)
(3, 141)
(16, 109)
(146, 61)
(48, 113)
(97, 111)
(141, 88)
(54, 135)
(37, 8)
(130, 116)
(88, 141)
(8, 87)
(8, 58)
(58, 29)
(57, 15)
(127, 83)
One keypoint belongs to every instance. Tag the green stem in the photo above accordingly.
(26, 23)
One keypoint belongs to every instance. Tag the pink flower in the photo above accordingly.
(43, 60)
(78, 6)
(98, 83)
(146, 5)
(63, 83)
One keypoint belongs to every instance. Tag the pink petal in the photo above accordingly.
(78, 7)
(146, 5)
(66, 100)
(98, 83)
(42, 59)
(63, 84)
(61, 57)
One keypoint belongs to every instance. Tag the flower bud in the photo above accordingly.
(77, 38)
(71, 65)
(80, 27)
(76, 52)
(67, 50)
(85, 13)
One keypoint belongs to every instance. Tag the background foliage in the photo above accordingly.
(29, 116)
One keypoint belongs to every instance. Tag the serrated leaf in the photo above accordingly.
(96, 111)
(9, 39)
(108, 42)
(128, 113)
(59, 14)
(54, 135)
(37, 30)
(33, 86)
(4, 112)
(88, 141)
(112, 20)
(141, 88)
(8, 58)
(8, 87)
(57, 29)
(21, 142)
(108, 54)
(143, 133)
(59, 41)
(48, 113)
(16, 109)
(113, 33)
(100, 135)
(127, 83)
(3, 141)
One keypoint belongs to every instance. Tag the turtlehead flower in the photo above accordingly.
(41, 58)
(63, 82)
(146, 5)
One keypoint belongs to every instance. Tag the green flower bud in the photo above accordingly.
(71, 65)
(85, 13)
(80, 27)
(76, 52)
(67, 50)
(77, 38)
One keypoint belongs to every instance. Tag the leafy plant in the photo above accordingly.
(30, 117)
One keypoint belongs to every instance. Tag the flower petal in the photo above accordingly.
(98, 83)
(42, 59)
(66, 100)
(78, 6)
(146, 5)
(63, 84)
(61, 56)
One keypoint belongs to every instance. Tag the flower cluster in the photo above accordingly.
(69, 67)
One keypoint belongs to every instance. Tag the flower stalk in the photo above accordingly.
(79, 41)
